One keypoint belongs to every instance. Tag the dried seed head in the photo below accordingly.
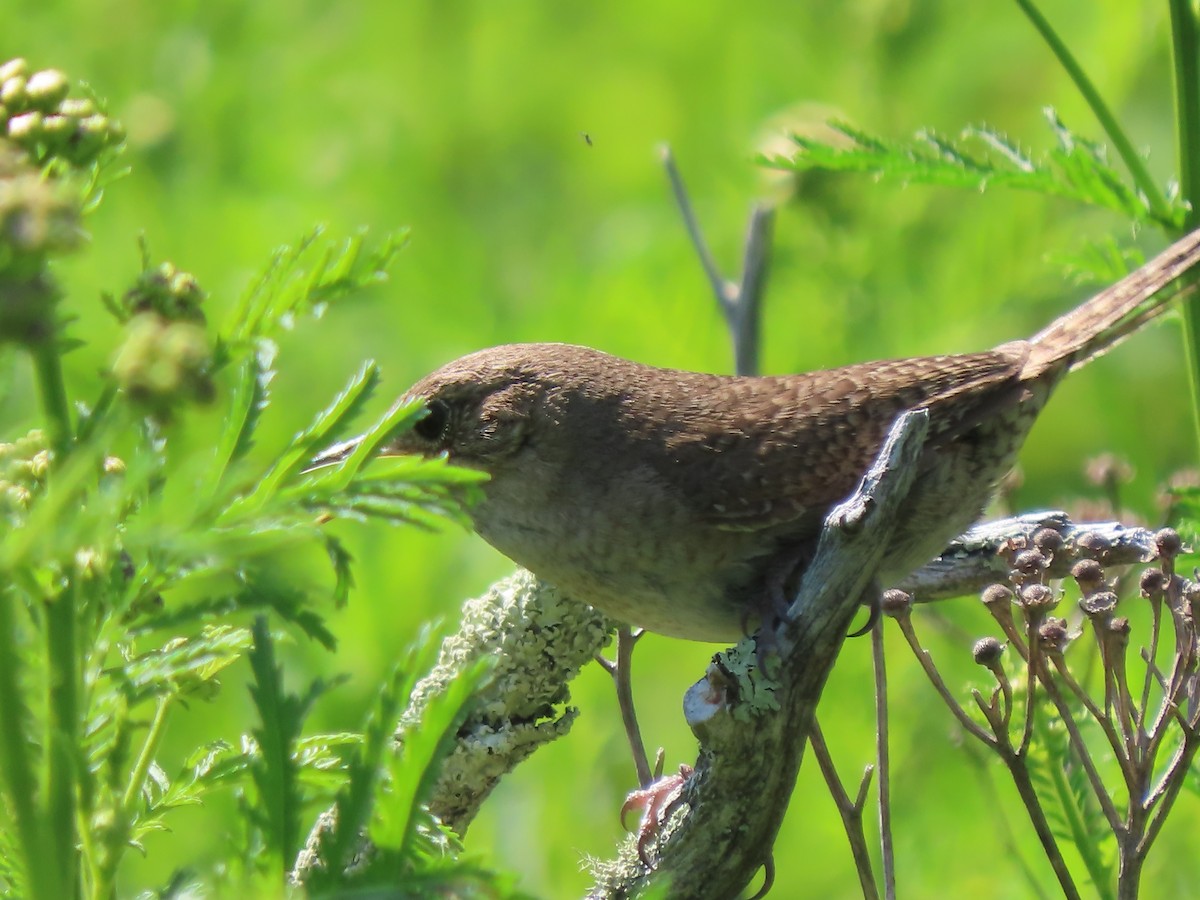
(1047, 540)
(1037, 598)
(1098, 604)
(1054, 635)
(1010, 548)
(997, 596)
(1089, 575)
(987, 652)
(1093, 545)
(895, 603)
(1029, 565)
(1152, 583)
(1167, 543)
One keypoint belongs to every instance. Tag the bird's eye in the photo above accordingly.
(432, 427)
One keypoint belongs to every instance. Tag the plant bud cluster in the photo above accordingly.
(37, 115)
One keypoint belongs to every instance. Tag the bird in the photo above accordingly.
(687, 503)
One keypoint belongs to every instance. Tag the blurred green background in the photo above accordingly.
(250, 122)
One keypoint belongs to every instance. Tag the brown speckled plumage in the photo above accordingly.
(669, 499)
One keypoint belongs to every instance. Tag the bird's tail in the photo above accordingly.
(1098, 325)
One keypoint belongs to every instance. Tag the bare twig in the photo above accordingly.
(1030, 689)
(1077, 744)
(935, 678)
(1143, 710)
(849, 810)
(741, 301)
(1168, 787)
(623, 678)
(721, 288)
(1102, 719)
(1018, 771)
(882, 758)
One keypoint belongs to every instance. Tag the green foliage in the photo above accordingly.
(411, 853)
(1185, 512)
(134, 558)
(277, 811)
(293, 283)
(248, 121)
(1076, 168)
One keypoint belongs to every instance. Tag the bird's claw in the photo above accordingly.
(656, 801)
(875, 607)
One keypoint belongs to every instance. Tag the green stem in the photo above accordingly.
(137, 779)
(48, 366)
(1187, 99)
(117, 841)
(63, 722)
(63, 735)
(1185, 46)
(1137, 168)
(15, 765)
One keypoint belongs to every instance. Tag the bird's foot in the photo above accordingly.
(656, 801)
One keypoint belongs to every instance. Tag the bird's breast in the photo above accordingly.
(630, 549)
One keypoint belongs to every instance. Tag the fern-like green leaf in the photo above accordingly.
(12, 879)
(982, 157)
(413, 770)
(182, 665)
(250, 398)
(356, 801)
(302, 447)
(287, 288)
(274, 768)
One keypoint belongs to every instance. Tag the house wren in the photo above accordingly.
(677, 501)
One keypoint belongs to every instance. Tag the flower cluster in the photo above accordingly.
(23, 467)
(38, 116)
(161, 361)
(165, 291)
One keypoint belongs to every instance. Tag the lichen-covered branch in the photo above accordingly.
(538, 642)
(975, 560)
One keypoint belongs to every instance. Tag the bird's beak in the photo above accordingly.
(336, 453)
(333, 455)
